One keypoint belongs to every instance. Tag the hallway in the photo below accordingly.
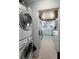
(47, 49)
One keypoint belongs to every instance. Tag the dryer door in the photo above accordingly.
(25, 21)
(27, 52)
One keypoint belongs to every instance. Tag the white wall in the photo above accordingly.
(36, 6)
(56, 37)
(36, 32)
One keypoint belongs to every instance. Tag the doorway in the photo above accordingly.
(48, 30)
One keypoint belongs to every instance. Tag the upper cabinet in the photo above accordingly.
(48, 15)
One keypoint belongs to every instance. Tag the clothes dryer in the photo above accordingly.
(25, 32)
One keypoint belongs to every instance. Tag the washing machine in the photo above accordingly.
(25, 32)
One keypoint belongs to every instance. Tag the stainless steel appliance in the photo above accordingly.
(25, 32)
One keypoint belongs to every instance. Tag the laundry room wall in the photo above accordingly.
(36, 6)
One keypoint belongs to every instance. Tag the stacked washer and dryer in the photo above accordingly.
(25, 32)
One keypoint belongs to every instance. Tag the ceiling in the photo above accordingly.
(31, 1)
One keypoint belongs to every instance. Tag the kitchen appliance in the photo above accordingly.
(25, 32)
